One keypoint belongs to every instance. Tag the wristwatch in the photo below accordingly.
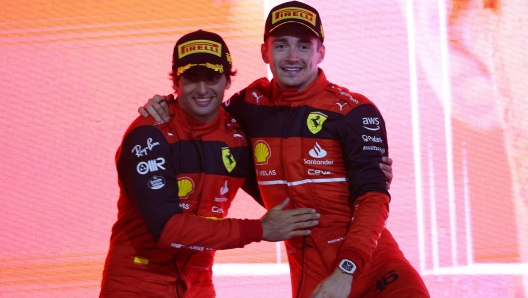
(347, 266)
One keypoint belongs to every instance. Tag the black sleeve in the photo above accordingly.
(250, 185)
(146, 174)
(235, 106)
(364, 142)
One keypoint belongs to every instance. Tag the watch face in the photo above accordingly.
(347, 266)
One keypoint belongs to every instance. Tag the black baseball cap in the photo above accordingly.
(294, 13)
(201, 48)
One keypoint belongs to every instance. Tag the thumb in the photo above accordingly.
(169, 98)
(282, 205)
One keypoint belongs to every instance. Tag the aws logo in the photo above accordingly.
(315, 121)
(371, 123)
(262, 152)
(228, 159)
(185, 187)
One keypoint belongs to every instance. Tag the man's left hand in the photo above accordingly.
(386, 167)
(337, 285)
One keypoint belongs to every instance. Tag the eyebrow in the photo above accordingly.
(282, 39)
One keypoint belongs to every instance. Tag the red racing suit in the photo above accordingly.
(177, 181)
(322, 147)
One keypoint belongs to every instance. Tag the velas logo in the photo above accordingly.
(262, 152)
(228, 159)
(294, 13)
(199, 46)
(315, 121)
(185, 187)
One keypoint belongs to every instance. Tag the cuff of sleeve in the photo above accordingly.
(250, 231)
(354, 258)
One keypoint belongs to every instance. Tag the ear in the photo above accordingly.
(228, 84)
(321, 53)
(175, 84)
(264, 52)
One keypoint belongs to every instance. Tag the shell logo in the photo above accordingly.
(262, 152)
(185, 187)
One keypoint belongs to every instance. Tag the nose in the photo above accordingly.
(201, 87)
(293, 55)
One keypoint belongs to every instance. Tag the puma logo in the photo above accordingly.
(256, 96)
(340, 105)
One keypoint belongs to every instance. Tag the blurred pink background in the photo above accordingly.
(448, 76)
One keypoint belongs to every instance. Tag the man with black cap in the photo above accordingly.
(177, 181)
(321, 145)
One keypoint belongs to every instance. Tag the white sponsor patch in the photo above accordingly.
(348, 95)
(257, 97)
(340, 105)
(216, 209)
(372, 139)
(156, 182)
(152, 165)
(325, 162)
(371, 123)
(314, 172)
(374, 148)
(317, 151)
(336, 240)
(224, 189)
(140, 151)
(265, 173)
(193, 247)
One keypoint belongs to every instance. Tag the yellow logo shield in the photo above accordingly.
(185, 187)
(315, 121)
(228, 159)
(262, 152)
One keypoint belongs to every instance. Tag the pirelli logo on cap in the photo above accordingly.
(199, 46)
(293, 13)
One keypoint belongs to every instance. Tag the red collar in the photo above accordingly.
(293, 95)
(181, 119)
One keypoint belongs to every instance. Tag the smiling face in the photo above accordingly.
(201, 91)
(293, 54)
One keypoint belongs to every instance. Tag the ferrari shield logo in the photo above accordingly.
(228, 159)
(315, 121)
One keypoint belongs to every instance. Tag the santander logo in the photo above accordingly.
(317, 151)
(224, 189)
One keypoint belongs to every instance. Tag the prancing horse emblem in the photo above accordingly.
(228, 159)
(315, 121)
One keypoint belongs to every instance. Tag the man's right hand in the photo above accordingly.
(157, 107)
(278, 224)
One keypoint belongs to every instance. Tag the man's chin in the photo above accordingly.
(290, 83)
